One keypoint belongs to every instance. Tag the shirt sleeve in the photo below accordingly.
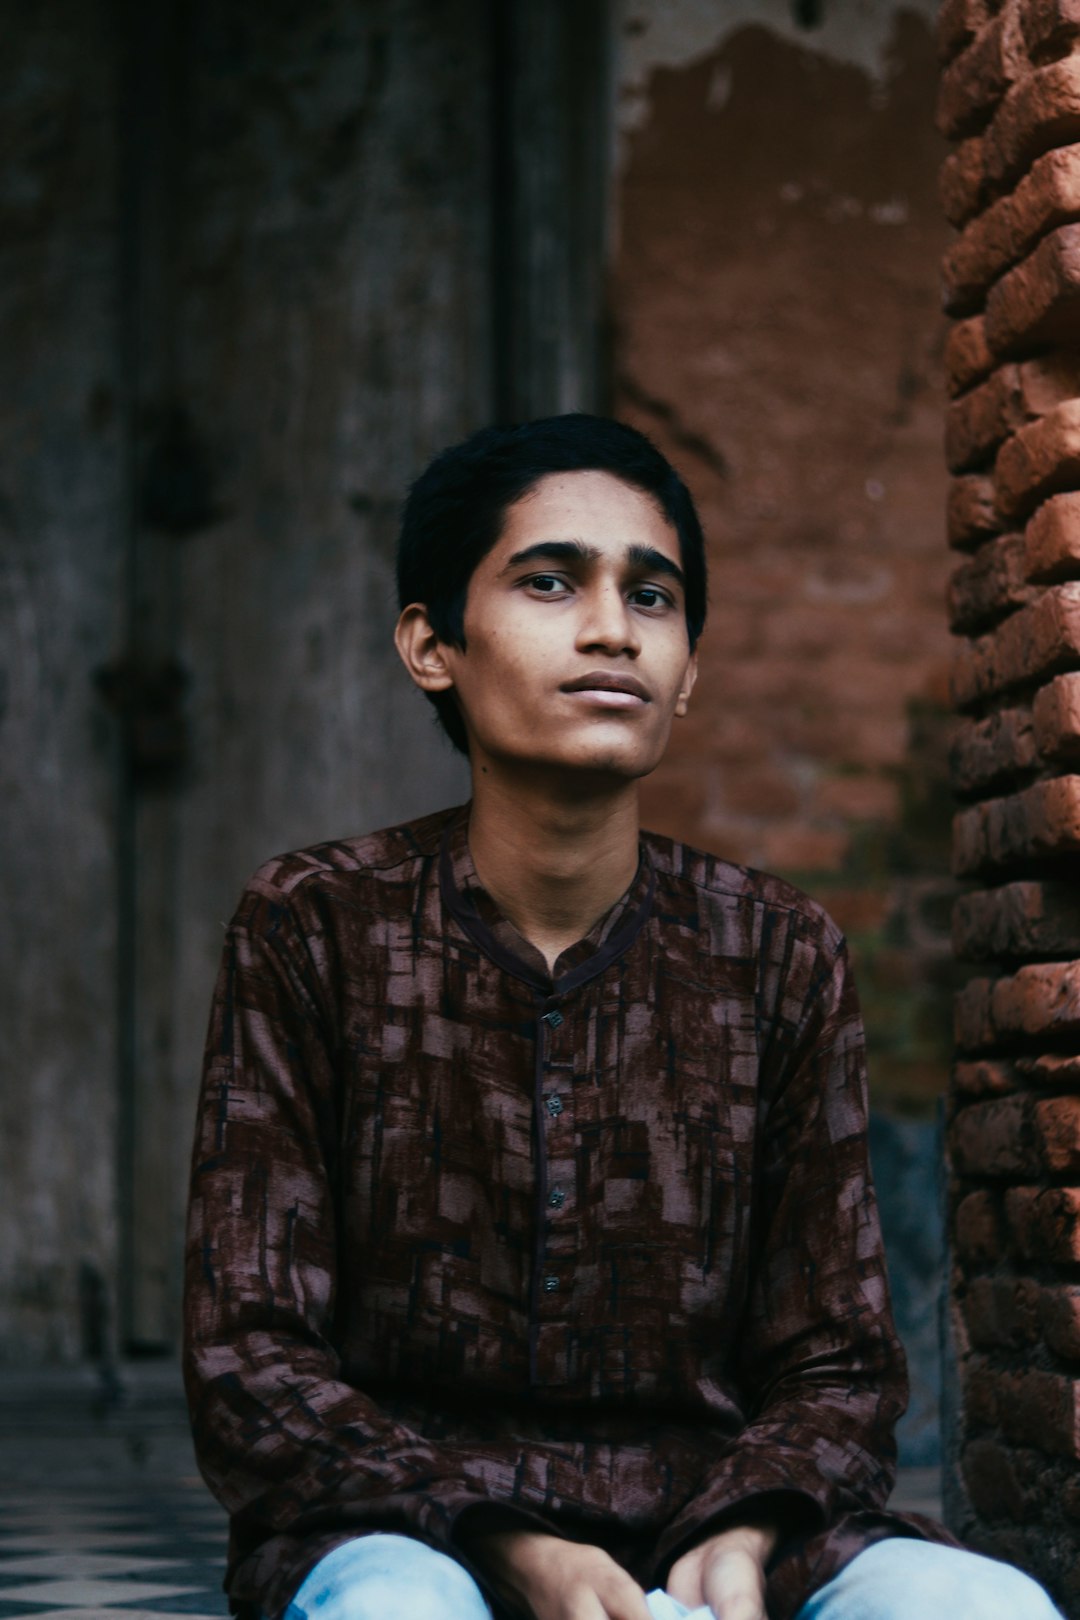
(284, 1441)
(819, 1356)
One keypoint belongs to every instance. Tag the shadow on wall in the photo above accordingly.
(907, 1161)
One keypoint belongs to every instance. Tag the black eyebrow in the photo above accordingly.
(554, 551)
(651, 561)
(645, 559)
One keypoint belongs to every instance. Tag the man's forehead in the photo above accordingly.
(583, 487)
(593, 510)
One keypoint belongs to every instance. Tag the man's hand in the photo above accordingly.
(726, 1571)
(557, 1579)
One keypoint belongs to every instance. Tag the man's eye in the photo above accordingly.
(649, 596)
(547, 584)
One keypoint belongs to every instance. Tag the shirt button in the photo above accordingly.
(556, 1198)
(553, 1018)
(553, 1104)
(550, 1284)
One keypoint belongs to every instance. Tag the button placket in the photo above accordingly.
(554, 1263)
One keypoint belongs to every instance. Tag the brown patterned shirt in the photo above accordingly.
(474, 1244)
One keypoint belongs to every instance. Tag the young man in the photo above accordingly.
(533, 1254)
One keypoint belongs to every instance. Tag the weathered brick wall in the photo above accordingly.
(1010, 103)
(778, 330)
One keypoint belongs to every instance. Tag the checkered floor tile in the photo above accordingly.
(90, 1555)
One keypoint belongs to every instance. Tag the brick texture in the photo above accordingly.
(1014, 1137)
(1044, 1224)
(1056, 720)
(1041, 1001)
(991, 1480)
(1017, 920)
(990, 586)
(971, 516)
(1025, 649)
(993, 1139)
(1036, 301)
(1047, 197)
(990, 754)
(967, 354)
(1042, 820)
(964, 181)
(1059, 1319)
(1011, 397)
(974, 83)
(1041, 111)
(1050, 1070)
(1039, 460)
(1001, 1312)
(983, 1077)
(1010, 103)
(1052, 541)
(1050, 27)
(958, 23)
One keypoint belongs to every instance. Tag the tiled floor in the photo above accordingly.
(94, 1552)
(102, 1511)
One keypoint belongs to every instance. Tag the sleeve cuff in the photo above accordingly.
(488, 1518)
(795, 1513)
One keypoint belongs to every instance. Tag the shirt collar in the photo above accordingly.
(475, 910)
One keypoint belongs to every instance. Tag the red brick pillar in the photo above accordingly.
(1010, 103)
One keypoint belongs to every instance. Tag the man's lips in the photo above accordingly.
(600, 680)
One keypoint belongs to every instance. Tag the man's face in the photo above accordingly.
(577, 654)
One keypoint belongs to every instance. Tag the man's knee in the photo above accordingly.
(388, 1577)
(903, 1579)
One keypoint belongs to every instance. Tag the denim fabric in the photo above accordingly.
(917, 1580)
(388, 1577)
(391, 1577)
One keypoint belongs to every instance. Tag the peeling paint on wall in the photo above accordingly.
(676, 33)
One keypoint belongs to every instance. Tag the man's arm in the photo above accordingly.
(819, 1353)
(283, 1440)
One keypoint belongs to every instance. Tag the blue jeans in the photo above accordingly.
(391, 1577)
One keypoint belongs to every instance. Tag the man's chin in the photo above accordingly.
(622, 770)
(596, 765)
(626, 758)
(616, 758)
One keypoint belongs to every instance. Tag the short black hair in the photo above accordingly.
(455, 512)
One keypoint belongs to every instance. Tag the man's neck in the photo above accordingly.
(553, 861)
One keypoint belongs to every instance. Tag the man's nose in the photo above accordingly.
(607, 622)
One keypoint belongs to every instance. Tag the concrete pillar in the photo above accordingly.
(61, 611)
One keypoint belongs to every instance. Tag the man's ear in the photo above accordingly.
(421, 651)
(687, 686)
